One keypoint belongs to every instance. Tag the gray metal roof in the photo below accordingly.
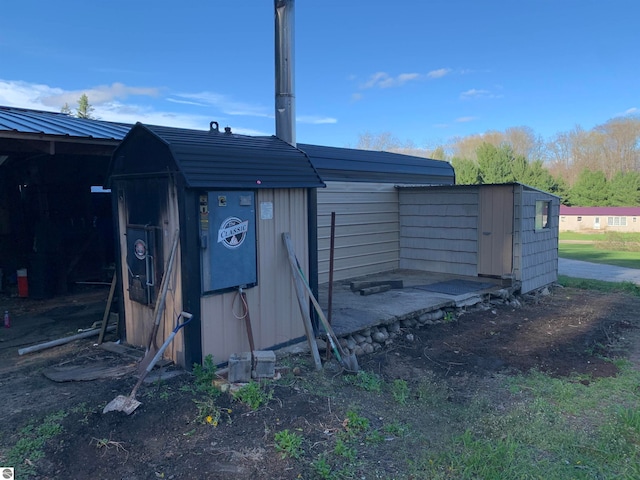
(23, 121)
(212, 159)
(348, 164)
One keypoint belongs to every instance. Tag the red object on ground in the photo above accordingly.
(23, 283)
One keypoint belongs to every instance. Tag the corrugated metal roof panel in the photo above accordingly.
(21, 120)
(340, 164)
(216, 159)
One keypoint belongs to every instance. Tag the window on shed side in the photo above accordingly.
(542, 214)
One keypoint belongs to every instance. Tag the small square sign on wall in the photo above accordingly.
(266, 210)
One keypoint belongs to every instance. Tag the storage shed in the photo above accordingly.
(229, 197)
(507, 231)
(361, 190)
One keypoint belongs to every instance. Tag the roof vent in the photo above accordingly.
(227, 129)
(216, 129)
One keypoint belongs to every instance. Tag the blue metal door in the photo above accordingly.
(232, 239)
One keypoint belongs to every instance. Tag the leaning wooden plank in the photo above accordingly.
(62, 341)
(85, 373)
(302, 302)
(107, 309)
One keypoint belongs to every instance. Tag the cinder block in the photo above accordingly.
(240, 367)
(265, 363)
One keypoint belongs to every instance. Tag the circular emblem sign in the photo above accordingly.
(140, 249)
(232, 232)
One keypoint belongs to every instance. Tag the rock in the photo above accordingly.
(394, 327)
(359, 338)
(368, 348)
(502, 293)
(322, 345)
(408, 323)
(545, 292)
(351, 343)
(378, 337)
(410, 337)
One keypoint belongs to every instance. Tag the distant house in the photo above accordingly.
(617, 219)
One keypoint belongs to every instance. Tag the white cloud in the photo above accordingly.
(106, 105)
(384, 80)
(315, 120)
(465, 119)
(441, 72)
(632, 111)
(478, 93)
(97, 95)
(26, 95)
(226, 104)
(355, 97)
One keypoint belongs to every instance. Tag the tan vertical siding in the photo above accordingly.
(273, 307)
(139, 319)
(495, 235)
(367, 229)
(439, 230)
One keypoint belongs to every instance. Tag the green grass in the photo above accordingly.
(591, 253)
(629, 237)
(30, 447)
(599, 285)
(612, 248)
(555, 428)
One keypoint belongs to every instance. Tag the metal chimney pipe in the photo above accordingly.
(284, 43)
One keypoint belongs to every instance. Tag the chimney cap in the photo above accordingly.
(227, 129)
(216, 129)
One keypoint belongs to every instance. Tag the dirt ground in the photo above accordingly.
(564, 333)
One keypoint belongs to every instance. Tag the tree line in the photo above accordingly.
(597, 167)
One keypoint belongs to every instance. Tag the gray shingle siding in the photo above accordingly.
(439, 230)
(539, 248)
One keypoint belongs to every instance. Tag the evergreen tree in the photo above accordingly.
(495, 163)
(85, 109)
(467, 172)
(625, 189)
(590, 190)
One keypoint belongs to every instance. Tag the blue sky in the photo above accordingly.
(425, 71)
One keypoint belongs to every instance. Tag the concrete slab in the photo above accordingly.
(352, 312)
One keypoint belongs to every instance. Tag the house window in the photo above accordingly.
(579, 219)
(617, 221)
(634, 219)
(562, 219)
(542, 214)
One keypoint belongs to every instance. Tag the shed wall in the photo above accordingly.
(367, 235)
(539, 251)
(273, 307)
(439, 230)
